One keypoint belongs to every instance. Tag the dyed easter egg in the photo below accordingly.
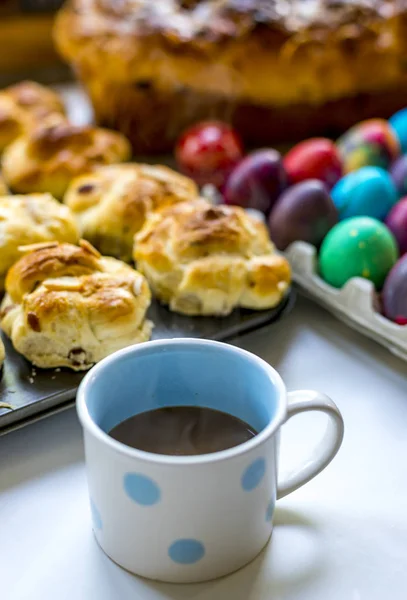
(257, 181)
(394, 295)
(317, 158)
(398, 173)
(396, 221)
(398, 123)
(358, 247)
(368, 191)
(208, 151)
(303, 212)
(369, 143)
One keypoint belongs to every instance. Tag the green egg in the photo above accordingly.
(357, 247)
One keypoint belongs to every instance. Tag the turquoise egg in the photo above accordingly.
(399, 124)
(369, 192)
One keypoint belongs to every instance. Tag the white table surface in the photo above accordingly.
(341, 537)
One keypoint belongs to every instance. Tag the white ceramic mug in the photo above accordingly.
(192, 518)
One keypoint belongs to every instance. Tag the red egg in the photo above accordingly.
(316, 158)
(208, 151)
(396, 221)
(257, 181)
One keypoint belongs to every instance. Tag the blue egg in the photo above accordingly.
(399, 123)
(368, 192)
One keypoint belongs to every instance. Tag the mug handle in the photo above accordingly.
(304, 401)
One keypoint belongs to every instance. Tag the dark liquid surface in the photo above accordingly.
(182, 431)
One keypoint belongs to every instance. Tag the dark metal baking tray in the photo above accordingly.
(35, 393)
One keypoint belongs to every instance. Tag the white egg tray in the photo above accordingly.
(354, 303)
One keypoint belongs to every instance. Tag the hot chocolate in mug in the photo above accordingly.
(191, 518)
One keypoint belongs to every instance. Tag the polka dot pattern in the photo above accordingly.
(253, 475)
(270, 510)
(186, 551)
(96, 518)
(141, 489)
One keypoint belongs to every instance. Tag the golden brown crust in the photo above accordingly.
(51, 155)
(206, 260)
(201, 23)
(68, 306)
(31, 219)
(112, 203)
(23, 106)
(48, 261)
(209, 57)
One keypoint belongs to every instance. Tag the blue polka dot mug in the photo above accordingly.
(191, 518)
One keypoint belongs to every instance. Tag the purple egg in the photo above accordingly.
(396, 221)
(257, 181)
(398, 173)
(394, 294)
(303, 212)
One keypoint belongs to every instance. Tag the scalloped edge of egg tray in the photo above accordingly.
(353, 303)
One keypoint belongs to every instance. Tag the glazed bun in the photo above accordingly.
(206, 260)
(277, 70)
(68, 306)
(48, 157)
(112, 203)
(31, 219)
(24, 106)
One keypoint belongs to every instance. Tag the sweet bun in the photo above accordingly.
(277, 70)
(68, 306)
(206, 260)
(31, 219)
(23, 106)
(48, 157)
(112, 203)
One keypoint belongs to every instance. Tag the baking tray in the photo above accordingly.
(36, 393)
(356, 303)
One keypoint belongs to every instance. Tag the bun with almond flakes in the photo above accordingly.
(206, 260)
(68, 306)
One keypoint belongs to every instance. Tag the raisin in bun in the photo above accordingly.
(48, 157)
(112, 203)
(24, 106)
(31, 219)
(68, 306)
(206, 260)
